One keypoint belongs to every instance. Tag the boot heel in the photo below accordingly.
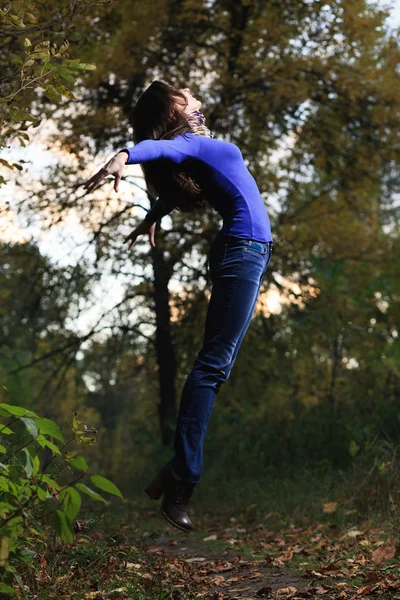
(155, 487)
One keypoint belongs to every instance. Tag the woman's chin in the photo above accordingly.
(195, 106)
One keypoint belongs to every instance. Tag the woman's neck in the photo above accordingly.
(197, 124)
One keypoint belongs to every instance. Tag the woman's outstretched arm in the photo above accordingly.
(148, 225)
(179, 149)
(183, 147)
(145, 226)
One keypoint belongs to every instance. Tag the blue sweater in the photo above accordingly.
(225, 180)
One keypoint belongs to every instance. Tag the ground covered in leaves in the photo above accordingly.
(300, 562)
(145, 558)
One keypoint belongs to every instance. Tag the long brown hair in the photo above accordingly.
(155, 117)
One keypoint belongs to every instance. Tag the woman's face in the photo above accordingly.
(192, 103)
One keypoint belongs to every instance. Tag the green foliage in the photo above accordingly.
(32, 501)
(32, 67)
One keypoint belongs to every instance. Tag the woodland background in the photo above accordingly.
(310, 91)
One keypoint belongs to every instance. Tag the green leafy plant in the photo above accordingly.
(32, 501)
(34, 67)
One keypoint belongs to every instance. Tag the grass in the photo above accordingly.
(301, 497)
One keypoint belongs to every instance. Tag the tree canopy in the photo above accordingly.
(309, 91)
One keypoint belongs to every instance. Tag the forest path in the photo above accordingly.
(217, 566)
(253, 558)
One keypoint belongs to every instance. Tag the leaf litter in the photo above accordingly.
(244, 561)
(319, 561)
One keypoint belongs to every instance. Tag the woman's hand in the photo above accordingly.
(115, 167)
(144, 227)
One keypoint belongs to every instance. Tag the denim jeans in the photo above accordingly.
(236, 269)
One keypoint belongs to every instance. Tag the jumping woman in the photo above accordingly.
(184, 167)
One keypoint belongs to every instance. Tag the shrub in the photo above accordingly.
(31, 500)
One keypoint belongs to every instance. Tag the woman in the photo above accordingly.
(185, 167)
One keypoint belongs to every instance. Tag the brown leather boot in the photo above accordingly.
(175, 502)
(157, 486)
(177, 493)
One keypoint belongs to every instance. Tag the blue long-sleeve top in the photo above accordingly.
(225, 180)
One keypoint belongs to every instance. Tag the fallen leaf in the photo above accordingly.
(210, 538)
(331, 567)
(286, 555)
(319, 575)
(219, 580)
(285, 591)
(330, 507)
(195, 559)
(320, 590)
(364, 591)
(354, 533)
(372, 576)
(220, 568)
(256, 575)
(383, 553)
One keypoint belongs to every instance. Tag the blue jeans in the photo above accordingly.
(236, 270)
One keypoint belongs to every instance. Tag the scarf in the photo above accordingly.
(197, 124)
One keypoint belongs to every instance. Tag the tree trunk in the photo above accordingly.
(164, 346)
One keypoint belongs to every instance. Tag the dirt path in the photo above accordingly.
(249, 559)
(228, 574)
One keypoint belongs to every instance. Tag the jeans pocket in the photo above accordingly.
(233, 254)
